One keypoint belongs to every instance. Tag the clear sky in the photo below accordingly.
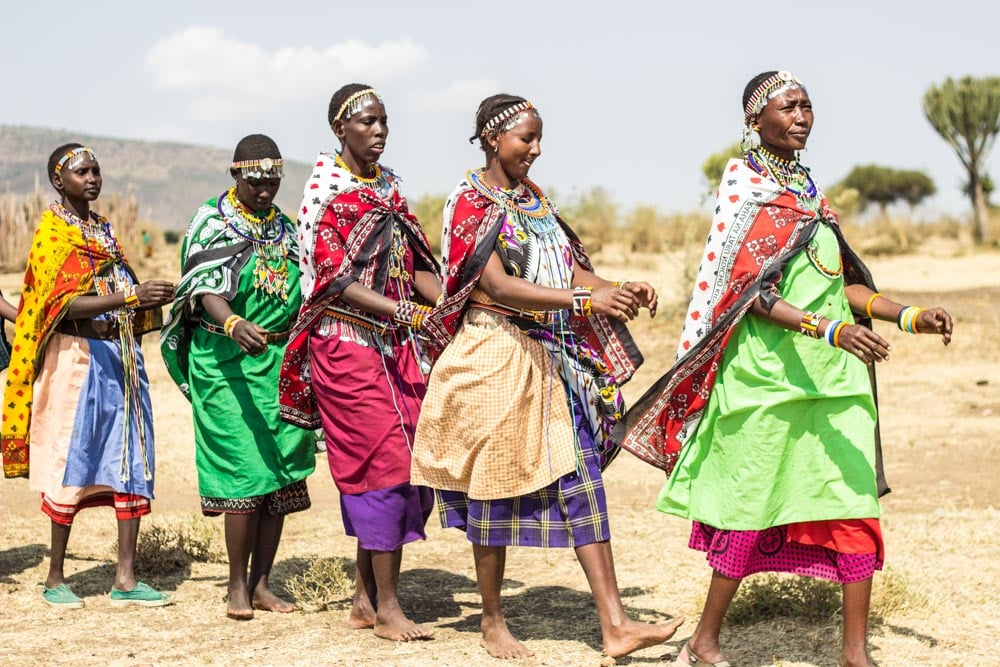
(634, 95)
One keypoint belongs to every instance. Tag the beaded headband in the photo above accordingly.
(769, 88)
(73, 158)
(507, 119)
(357, 102)
(261, 168)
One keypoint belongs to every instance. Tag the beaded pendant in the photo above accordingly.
(270, 273)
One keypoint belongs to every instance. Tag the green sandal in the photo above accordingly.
(142, 595)
(61, 597)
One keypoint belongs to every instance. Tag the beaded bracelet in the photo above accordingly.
(868, 306)
(229, 326)
(907, 319)
(618, 284)
(131, 298)
(833, 330)
(809, 326)
(410, 314)
(581, 301)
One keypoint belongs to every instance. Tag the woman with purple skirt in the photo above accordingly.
(352, 363)
(515, 428)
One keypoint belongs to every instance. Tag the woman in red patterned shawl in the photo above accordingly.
(516, 426)
(767, 422)
(352, 364)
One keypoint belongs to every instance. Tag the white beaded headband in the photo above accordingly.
(261, 168)
(357, 102)
(507, 119)
(73, 158)
(769, 88)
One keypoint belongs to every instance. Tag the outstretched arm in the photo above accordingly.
(877, 306)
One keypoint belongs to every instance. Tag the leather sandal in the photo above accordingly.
(687, 658)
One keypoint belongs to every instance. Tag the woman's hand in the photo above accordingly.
(644, 294)
(935, 320)
(864, 343)
(154, 293)
(615, 302)
(250, 337)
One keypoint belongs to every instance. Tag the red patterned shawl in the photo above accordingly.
(471, 226)
(355, 249)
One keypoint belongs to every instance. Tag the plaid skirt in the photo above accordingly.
(570, 512)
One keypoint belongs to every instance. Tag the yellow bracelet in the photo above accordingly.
(868, 306)
(131, 298)
(229, 326)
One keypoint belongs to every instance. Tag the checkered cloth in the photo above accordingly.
(570, 512)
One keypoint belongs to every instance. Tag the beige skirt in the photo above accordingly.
(495, 422)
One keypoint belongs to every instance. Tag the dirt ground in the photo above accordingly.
(936, 603)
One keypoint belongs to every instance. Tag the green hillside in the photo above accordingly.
(170, 180)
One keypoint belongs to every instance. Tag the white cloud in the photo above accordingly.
(222, 77)
(462, 95)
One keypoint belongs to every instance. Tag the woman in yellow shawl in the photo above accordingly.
(76, 387)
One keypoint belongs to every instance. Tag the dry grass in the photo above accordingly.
(935, 605)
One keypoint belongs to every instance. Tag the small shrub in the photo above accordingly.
(325, 583)
(166, 546)
(171, 237)
(787, 596)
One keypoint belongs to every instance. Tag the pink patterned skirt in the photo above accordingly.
(739, 553)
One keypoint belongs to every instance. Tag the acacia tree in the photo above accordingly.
(966, 113)
(714, 166)
(884, 185)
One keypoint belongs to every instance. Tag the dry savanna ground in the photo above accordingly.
(936, 603)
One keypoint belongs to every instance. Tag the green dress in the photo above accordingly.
(789, 431)
(242, 447)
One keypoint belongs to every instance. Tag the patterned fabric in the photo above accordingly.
(292, 498)
(127, 506)
(357, 249)
(464, 436)
(756, 229)
(740, 553)
(569, 512)
(62, 265)
(214, 253)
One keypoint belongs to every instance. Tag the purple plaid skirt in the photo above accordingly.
(386, 519)
(570, 512)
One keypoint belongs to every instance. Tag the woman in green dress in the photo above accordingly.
(223, 345)
(767, 422)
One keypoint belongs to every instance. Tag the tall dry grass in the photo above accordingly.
(19, 216)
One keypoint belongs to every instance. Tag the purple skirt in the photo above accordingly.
(386, 519)
(739, 553)
(570, 512)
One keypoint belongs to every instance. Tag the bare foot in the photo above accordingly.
(393, 624)
(264, 599)
(362, 615)
(633, 635)
(499, 643)
(238, 605)
(855, 660)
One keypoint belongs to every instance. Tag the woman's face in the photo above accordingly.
(81, 183)
(785, 123)
(518, 148)
(257, 194)
(363, 135)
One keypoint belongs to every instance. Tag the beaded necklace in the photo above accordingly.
(789, 174)
(379, 183)
(97, 230)
(524, 202)
(270, 273)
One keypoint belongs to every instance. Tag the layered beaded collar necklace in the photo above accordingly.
(95, 228)
(789, 174)
(525, 202)
(379, 183)
(271, 267)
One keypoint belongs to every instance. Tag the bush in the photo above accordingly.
(325, 583)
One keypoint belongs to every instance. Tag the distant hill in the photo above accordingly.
(170, 180)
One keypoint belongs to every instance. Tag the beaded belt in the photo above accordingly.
(537, 316)
(271, 337)
(354, 318)
(88, 328)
